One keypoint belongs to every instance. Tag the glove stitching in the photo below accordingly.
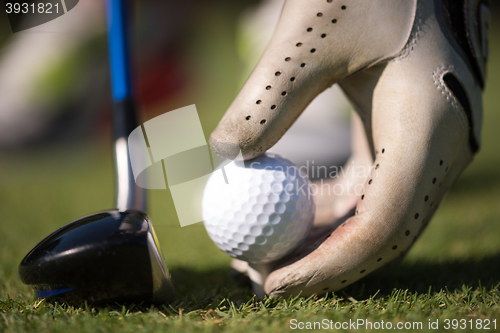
(414, 35)
(439, 83)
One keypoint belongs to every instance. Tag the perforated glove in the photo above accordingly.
(414, 70)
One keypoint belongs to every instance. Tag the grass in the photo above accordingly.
(453, 271)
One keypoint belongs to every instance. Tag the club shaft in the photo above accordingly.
(128, 194)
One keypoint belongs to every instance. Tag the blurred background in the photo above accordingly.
(55, 131)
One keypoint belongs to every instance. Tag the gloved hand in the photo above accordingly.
(414, 70)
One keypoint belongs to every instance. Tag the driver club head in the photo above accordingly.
(113, 256)
(106, 257)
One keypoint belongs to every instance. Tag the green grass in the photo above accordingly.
(453, 271)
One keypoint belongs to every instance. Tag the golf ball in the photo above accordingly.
(258, 210)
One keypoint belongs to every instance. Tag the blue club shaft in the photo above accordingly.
(119, 49)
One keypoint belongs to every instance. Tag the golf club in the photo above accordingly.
(112, 256)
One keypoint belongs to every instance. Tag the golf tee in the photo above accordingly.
(258, 274)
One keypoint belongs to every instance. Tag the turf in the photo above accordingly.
(453, 271)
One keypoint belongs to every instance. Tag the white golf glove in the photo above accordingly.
(414, 70)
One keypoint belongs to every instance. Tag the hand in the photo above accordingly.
(414, 71)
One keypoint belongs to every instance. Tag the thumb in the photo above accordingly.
(316, 43)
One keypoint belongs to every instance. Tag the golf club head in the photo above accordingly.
(106, 257)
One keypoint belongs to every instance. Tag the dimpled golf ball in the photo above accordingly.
(258, 210)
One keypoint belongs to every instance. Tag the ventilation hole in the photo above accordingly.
(394, 247)
(376, 166)
(379, 259)
(334, 21)
(370, 181)
(343, 7)
(434, 181)
(362, 271)
(268, 87)
(309, 29)
(416, 216)
(344, 281)
(288, 59)
(313, 50)
(292, 78)
(319, 14)
(283, 93)
(273, 107)
(277, 73)
(303, 64)
(329, 1)
(258, 102)
(298, 44)
(383, 150)
(323, 35)
(441, 162)
(247, 117)
(263, 121)
(426, 198)
(362, 197)
(407, 233)
(325, 288)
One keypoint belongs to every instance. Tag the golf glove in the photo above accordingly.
(414, 70)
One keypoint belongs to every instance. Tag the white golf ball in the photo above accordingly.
(258, 210)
